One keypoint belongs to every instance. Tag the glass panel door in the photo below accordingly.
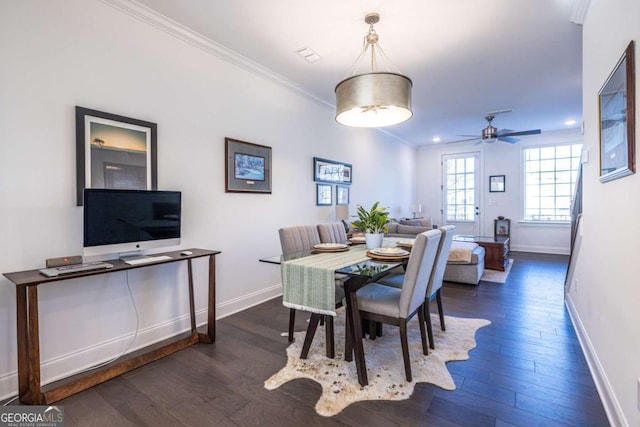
(461, 192)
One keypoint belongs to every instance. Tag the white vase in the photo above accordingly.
(373, 241)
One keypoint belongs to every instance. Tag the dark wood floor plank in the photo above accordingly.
(528, 370)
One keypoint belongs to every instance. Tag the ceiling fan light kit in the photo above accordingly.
(491, 134)
(374, 99)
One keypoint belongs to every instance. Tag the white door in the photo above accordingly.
(461, 192)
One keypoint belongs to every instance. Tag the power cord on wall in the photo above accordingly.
(122, 353)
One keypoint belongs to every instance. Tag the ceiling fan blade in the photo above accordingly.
(463, 140)
(504, 132)
(507, 139)
(471, 136)
(524, 132)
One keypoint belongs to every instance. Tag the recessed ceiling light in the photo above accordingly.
(308, 54)
(436, 139)
(570, 122)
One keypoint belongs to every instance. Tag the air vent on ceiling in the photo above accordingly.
(308, 54)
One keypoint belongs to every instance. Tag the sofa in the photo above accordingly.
(468, 270)
(405, 228)
(408, 228)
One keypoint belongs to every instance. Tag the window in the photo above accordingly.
(460, 190)
(549, 181)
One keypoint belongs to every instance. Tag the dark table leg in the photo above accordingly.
(22, 335)
(192, 309)
(210, 336)
(35, 390)
(355, 328)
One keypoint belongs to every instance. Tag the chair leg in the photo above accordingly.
(311, 331)
(423, 333)
(427, 319)
(328, 327)
(348, 347)
(439, 301)
(405, 349)
(372, 326)
(292, 323)
(379, 326)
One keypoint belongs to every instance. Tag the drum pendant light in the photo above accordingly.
(374, 99)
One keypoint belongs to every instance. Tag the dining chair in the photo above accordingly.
(332, 232)
(435, 281)
(396, 306)
(301, 238)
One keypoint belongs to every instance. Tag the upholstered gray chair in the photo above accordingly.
(435, 281)
(301, 238)
(396, 306)
(332, 232)
(294, 239)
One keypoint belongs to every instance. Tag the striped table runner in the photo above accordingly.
(309, 282)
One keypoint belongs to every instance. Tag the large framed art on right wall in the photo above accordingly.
(616, 108)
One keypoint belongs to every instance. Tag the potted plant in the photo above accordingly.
(373, 223)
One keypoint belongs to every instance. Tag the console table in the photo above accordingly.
(30, 389)
(496, 250)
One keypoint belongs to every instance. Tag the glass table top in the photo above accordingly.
(369, 268)
(480, 239)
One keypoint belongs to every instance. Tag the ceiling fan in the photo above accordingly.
(491, 134)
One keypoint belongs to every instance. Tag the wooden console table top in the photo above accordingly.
(30, 389)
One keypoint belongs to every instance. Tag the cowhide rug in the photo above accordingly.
(385, 367)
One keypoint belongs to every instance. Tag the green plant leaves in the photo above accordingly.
(373, 220)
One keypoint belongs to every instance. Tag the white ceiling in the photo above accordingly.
(465, 57)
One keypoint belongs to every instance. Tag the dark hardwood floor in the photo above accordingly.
(527, 370)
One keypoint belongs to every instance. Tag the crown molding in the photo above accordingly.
(169, 26)
(579, 11)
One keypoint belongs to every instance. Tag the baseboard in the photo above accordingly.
(609, 401)
(541, 249)
(67, 364)
(246, 301)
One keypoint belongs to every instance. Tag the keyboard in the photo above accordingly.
(145, 259)
(75, 268)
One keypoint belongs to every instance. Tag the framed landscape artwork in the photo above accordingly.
(114, 151)
(331, 171)
(616, 103)
(342, 195)
(247, 167)
(496, 184)
(324, 195)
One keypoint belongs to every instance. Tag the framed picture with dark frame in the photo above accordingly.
(331, 171)
(114, 151)
(496, 184)
(342, 195)
(247, 167)
(616, 107)
(324, 194)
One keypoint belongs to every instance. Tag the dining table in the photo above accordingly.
(308, 279)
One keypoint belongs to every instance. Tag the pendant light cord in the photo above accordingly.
(371, 40)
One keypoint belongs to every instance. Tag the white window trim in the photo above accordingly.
(521, 167)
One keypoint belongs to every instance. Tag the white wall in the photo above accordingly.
(604, 298)
(55, 55)
(496, 159)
